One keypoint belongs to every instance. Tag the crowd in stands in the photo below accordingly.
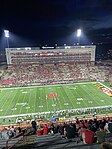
(80, 131)
(84, 131)
(53, 74)
(10, 131)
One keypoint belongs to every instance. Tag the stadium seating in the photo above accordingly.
(53, 74)
(56, 141)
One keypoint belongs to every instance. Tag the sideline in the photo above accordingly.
(40, 113)
(105, 86)
(45, 85)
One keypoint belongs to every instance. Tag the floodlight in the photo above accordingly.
(79, 32)
(6, 33)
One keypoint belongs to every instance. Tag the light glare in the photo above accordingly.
(6, 33)
(79, 32)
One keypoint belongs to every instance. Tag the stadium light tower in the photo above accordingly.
(7, 36)
(79, 32)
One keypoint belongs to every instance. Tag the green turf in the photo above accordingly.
(14, 101)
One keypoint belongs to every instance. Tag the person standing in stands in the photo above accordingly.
(4, 128)
(18, 130)
(10, 132)
(40, 130)
(13, 130)
(34, 126)
(61, 128)
(101, 134)
(45, 130)
(88, 136)
(110, 126)
(70, 131)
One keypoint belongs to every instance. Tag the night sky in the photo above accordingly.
(41, 22)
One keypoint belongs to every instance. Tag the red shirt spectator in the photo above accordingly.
(39, 132)
(81, 124)
(88, 136)
(86, 123)
(45, 130)
(4, 128)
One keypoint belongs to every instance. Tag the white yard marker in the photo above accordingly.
(78, 103)
(53, 105)
(40, 106)
(14, 109)
(79, 99)
(27, 107)
(66, 104)
(90, 102)
(102, 100)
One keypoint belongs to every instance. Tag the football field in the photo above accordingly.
(37, 99)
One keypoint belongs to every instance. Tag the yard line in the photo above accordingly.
(4, 102)
(18, 98)
(37, 100)
(46, 100)
(41, 101)
(92, 97)
(63, 99)
(79, 96)
(83, 95)
(40, 109)
(104, 86)
(22, 102)
(32, 100)
(1, 98)
(58, 98)
(69, 99)
(53, 100)
(29, 97)
(49, 102)
(12, 102)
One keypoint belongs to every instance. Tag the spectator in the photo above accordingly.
(56, 128)
(18, 130)
(61, 128)
(70, 131)
(34, 126)
(45, 130)
(88, 136)
(13, 130)
(86, 123)
(39, 131)
(106, 145)
(4, 128)
(5, 135)
(10, 133)
(110, 126)
(101, 134)
(80, 132)
(52, 128)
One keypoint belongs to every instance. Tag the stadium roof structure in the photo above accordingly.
(50, 54)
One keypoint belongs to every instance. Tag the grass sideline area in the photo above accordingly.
(25, 101)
